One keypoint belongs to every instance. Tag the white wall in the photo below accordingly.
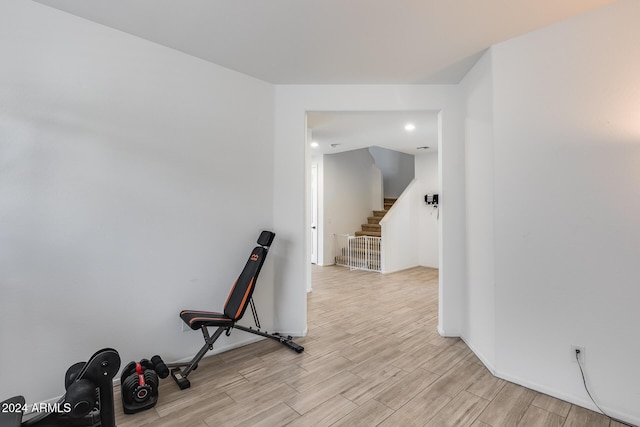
(291, 206)
(398, 170)
(479, 331)
(411, 228)
(567, 203)
(400, 232)
(131, 187)
(346, 195)
(377, 189)
(427, 177)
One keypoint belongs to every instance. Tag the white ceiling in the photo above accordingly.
(354, 130)
(337, 42)
(331, 41)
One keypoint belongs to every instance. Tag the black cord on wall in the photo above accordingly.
(584, 381)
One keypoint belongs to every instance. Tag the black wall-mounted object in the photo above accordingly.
(431, 199)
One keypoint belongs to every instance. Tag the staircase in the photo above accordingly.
(372, 227)
(362, 251)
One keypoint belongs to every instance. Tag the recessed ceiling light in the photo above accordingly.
(409, 127)
(314, 144)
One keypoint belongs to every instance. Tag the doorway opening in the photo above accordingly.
(342, 192)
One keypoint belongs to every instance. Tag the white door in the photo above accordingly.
(314, 214)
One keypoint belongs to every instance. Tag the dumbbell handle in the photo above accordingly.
(160, 367)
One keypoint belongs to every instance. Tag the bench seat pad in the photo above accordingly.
(198, 319)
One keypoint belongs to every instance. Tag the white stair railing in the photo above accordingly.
(358, 252)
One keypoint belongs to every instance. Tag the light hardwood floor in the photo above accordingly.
(372, 358)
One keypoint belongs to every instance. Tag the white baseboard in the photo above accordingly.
(221, 349)
(547, 390)
(399, 269)
(448, 333)
(485, 361)
(632, 419)
(295, 334)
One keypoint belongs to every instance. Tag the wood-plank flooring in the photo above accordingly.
(372, 358)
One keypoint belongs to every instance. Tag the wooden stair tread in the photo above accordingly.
(369, 233)
(371, 227)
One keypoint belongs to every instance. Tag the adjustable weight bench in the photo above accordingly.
(239, 298)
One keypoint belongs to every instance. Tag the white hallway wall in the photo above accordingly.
(347, 195)
(130, 188)
(411, 229)
(398, 170)
(428, 182)
(400, 241)
(479, 329)
(567, 130)
(564, 152)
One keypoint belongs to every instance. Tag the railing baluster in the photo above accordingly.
(358, 252)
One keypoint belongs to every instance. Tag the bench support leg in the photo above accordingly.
(286, 341)
(180, 375)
